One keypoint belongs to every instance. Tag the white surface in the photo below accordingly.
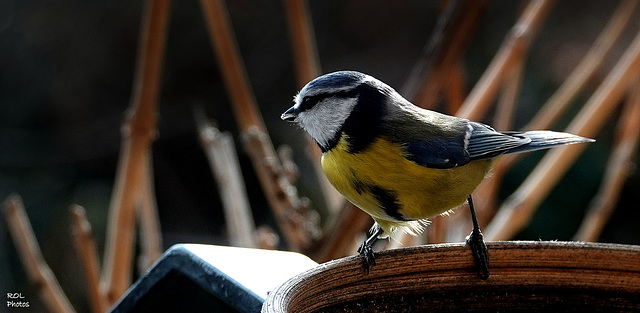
(259, 270)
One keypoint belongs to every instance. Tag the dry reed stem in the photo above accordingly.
(85, 246)
(618, 170)
(139, 132)
(561, 99)
(307, 65)
(282, 196)
(512, 50)
(287, 208)
(448, 75)
(223, 159)
(432, 51)
(506, 107)
(517, 210)
(338, 237)
(439, 68)
(437, 230)
(150, 232)
(39, 273)
(291, 170)
(225, 47)
(305, 53)
(557, 103)
(456, 88)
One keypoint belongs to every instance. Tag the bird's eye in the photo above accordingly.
(307, 103)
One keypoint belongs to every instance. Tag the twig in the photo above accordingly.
(289, 210)
(34, 264)
(439, 67)
(282, 196)
(222, 37)
(513, 49)
(431, 53)
(150, 232)
(342, 231)
(138, 134)
(455, 88)
(307, 64)
(221, 153)
(517, 210)
(305, 53)
(506, 107)
(85, 246)
(618, 170)
(437, 230)
(560, 100)
(267, 238)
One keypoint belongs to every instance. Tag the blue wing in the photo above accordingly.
(473, 141)
(436, 140)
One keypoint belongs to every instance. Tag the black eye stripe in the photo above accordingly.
(309, 102)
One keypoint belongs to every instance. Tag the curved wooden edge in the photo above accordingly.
(437, 268)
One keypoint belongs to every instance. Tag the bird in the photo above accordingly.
(400, 163)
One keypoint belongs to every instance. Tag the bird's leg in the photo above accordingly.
(366, 249)
(476, 241)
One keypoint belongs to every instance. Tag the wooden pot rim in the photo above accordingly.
(446, 270)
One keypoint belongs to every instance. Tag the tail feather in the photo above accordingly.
(543, 139)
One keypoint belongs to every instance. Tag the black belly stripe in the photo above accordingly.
(388, 202)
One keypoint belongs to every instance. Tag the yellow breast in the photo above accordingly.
(420, 192)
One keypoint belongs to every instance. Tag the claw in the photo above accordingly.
(475, 240)
(366, 249)
(368, 256)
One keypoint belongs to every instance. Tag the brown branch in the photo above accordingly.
(437, 230)
(345, 229)
(440, 69)
(223, 159)
(138, 134)
(431, 52)
(288, 209)
(39, 273)
(267, 238)
(305, 53)
(513, 49)
(307, 65)
(517, 210)
(618, 170)
(561, 99)
(85, 246)
(150, 232)
(455, 87)
(222, 37)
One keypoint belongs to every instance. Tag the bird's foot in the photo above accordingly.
(475, 240)
(368, 256)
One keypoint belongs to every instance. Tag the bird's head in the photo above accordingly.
(323, 106)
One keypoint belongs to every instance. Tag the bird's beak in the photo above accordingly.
(290, 115)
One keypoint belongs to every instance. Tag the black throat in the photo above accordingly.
(364, 123)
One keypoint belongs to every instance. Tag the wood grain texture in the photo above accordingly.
(525, 276)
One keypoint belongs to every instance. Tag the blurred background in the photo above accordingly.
(66, 76)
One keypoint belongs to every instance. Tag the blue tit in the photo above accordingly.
(400, 163)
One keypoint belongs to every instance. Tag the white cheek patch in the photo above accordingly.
(326, 118)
